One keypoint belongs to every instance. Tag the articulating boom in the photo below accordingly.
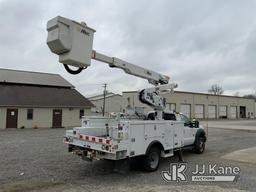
(152, 77)
(73, 42)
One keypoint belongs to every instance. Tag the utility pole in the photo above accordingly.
(104, 98)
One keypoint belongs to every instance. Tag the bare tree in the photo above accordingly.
(250, 96)
(216, 90)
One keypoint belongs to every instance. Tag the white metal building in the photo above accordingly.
(194, 105)
(200, 105)
(113, 103)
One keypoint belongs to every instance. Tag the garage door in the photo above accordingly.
(212, 112)
(199, 111)
(185, 109)
(223, 111)
(173, 107)
(233, 112)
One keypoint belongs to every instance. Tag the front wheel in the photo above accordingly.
(152, 160)
(200, 145)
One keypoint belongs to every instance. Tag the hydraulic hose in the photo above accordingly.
(73, 72)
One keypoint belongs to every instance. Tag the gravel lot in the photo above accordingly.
(37, 160)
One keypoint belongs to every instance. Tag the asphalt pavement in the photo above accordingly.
(243, 125)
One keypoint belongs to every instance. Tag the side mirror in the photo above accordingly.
(194, 124)
(187, 124)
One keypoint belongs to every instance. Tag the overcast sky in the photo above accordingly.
(197, 43)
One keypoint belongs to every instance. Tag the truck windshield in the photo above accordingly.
(184, 118)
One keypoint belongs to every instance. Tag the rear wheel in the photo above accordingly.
(152, 159)
(200, 145)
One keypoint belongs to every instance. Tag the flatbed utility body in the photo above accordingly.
(122, 138)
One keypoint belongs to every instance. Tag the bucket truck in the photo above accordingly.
(154, 135)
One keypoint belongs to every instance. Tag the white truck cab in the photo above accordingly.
(190, 127)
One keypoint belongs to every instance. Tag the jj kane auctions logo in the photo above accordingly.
(178, 173)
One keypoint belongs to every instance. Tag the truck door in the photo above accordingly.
(189, 135)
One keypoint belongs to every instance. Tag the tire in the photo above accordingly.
(151, 160)
(200, 145)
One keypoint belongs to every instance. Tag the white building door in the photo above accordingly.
(233, 112)
(212, 112)
(199, 111)
(223, 111)
(185, 109)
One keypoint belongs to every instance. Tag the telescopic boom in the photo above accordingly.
(73, 42)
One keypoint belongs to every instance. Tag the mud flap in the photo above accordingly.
(122, 166)
(179, 152)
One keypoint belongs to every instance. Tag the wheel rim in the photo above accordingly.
(153, 160)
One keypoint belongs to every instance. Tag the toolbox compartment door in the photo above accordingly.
(178, 137)
(137, 142)
(154, 130)
(169, 130)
